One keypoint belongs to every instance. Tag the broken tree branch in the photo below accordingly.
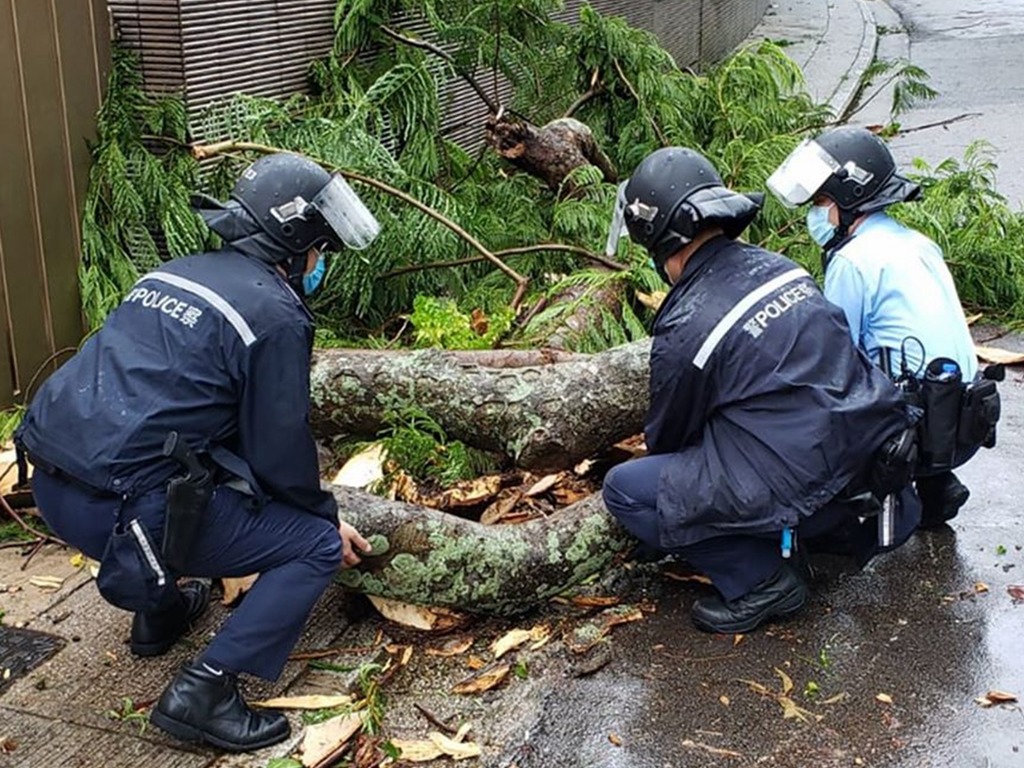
(202, 151)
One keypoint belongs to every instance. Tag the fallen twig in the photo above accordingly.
(938, 123)
(434, 719)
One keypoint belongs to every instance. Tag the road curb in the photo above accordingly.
(845, 94)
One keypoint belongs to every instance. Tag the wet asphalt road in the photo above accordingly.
(929, 628)
(974, 52)
(887, 662)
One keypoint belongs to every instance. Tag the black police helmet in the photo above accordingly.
(866, 180)
(276, 191)
(673, 195)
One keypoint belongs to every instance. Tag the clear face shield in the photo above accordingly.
(618, 225)
(346, 214)
(802, 174)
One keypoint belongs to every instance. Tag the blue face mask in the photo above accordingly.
(820, 228)
(311, 280)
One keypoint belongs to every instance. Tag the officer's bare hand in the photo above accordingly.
(351, 541)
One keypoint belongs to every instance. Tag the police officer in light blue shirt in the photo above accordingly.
(891, 282)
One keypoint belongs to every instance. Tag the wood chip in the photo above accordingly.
(418, 616)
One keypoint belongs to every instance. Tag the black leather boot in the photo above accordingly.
(941, 498)
(201, 706)
(777, 597)
(153, 634)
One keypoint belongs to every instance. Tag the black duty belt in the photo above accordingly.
(59, 474)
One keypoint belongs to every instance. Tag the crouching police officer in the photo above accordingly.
(176, 442)
(762, 412)
(899, 299)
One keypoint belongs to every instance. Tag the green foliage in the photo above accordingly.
(379, 115)
(10, 418)
(11, 531)
(909, 85)
(417, 444)
(283, 762)
(983, 241)
(440, 323)
(136, 208)
(127, 713)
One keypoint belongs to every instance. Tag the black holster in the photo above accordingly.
(188, 497)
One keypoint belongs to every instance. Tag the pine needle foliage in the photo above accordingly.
(136, 208)
(376, 109)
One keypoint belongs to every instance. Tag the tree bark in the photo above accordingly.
(436, 559)
(550, 152)
(543, 415)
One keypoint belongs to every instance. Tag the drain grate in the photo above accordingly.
(22, 650)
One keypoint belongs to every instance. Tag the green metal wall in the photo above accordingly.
(54, 57)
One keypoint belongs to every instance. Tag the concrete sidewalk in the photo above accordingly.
(833, 41)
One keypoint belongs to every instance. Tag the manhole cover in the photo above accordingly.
(22, 650)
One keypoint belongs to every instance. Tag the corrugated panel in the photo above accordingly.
(210, 50)
(53, 63)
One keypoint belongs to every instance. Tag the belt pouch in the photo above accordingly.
(941, 391)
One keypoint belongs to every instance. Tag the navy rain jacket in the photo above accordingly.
(757, 386)
(215, 346)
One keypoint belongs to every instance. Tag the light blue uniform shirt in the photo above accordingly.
(893, 283)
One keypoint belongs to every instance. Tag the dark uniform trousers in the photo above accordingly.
(735, 564)
(296, 553)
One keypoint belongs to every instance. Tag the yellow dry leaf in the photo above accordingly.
(46, 582)
(651, 300)
(509, 641)
(787, 684)
(980, 587)
(791, 710)
(540, 635)
(835, 699)
(996, 697)
(885, 698)
(416, 751)
(700, 578)
(321, 739)
(313, 701)
(546, 483)
(615, 739)
(77, 560)
(595, 601)
(417, 616)
(485, 681)
(996, 355)
(724, 701)
(234, 588)
(406, 655)
(475, 662)
(737, 639)
(469, 493)
(457, 750)
(452, 647)
(972, 319)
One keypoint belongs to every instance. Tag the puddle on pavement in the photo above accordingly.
(22, 650)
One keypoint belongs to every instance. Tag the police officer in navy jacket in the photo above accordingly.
(762, 411)
(215, 347)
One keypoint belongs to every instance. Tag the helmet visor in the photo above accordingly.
(618, 225)
(802, 173)
(346, 214)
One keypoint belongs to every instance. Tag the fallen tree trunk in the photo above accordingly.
(545, 416)
(437, 559)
